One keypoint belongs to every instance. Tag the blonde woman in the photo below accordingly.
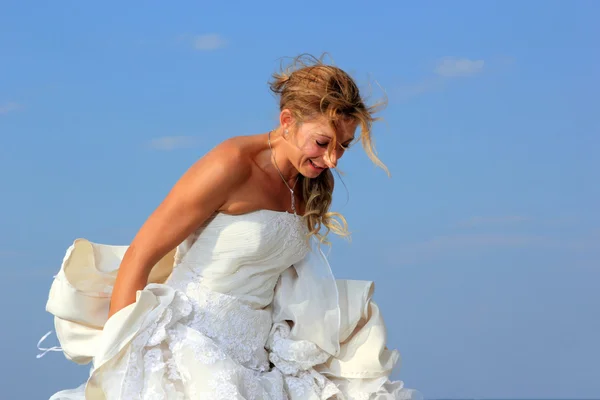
(224, 293)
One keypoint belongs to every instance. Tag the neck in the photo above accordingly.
(278, 158)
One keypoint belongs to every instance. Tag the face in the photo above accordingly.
(315, 150)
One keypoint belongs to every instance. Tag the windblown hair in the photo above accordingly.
(310, 88)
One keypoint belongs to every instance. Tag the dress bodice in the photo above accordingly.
(242, 255)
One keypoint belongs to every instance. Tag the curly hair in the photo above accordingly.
(310, 88)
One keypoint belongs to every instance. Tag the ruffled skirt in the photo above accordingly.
(180, 340)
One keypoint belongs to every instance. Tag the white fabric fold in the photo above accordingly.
(79, 297)
(307, 295)
(326, 340)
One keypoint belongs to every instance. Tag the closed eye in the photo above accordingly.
(346, 145)
(322, 144)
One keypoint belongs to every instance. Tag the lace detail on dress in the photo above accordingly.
(231, 384)
(181, 328)
(292, 356)
(296, 359)
(149, 356)
(227, 321)
(215, 326)
(295, 232)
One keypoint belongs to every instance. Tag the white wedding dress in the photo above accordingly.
(244, 308)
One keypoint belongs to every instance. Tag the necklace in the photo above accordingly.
(291, 189)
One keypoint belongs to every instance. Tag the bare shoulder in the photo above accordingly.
(244, 146)
(229, 153)
(231, 160)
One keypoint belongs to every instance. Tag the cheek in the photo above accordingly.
(311, 150)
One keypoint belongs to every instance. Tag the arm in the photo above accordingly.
(201, 191)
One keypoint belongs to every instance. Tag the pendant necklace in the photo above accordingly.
(291, 189)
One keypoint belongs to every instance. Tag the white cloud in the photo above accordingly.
(168, 143)
(208, 42)
(451, 67)
(9, 107)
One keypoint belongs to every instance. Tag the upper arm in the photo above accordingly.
(198, 194)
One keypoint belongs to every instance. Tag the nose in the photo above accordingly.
(331, 159)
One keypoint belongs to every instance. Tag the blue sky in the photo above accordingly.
(484, 244)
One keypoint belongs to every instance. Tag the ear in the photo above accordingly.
(286, 119)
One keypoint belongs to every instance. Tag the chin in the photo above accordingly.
(310, 173)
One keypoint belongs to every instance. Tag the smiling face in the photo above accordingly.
(320, 144)
(305, 89)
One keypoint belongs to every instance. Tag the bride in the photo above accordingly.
(224, 292)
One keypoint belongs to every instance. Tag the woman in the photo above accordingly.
(221, 295)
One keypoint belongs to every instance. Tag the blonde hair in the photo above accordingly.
(309, 88)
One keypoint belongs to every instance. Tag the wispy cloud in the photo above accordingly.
(470, 241)
(452, 67)
(445, 70)
(478, 221)
(208, 42)
(480, 234)
(9, 107)
(419, 88)
(514, 221)
(463, 245)
(168, 143)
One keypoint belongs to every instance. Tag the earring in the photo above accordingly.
(285, 132)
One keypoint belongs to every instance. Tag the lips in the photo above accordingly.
(315, 165)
